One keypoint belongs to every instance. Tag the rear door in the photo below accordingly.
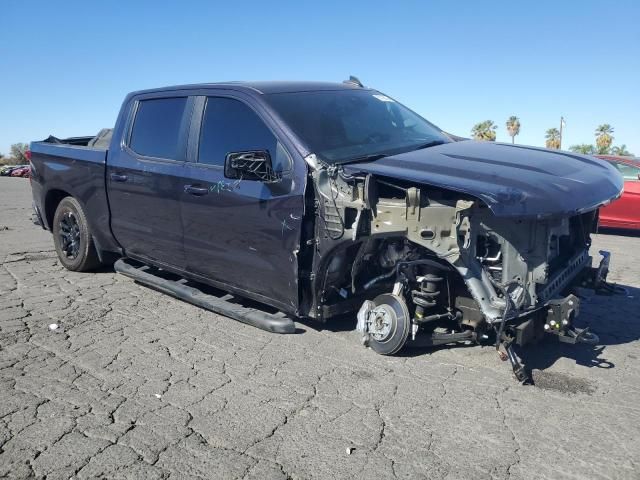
(243, 233)
(144, 179)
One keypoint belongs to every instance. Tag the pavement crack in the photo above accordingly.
(290, 416)
(383, 428)
(508, 428)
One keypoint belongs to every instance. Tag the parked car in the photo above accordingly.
(624, 212)
(7, 169)
(22, 171)
(323, 199)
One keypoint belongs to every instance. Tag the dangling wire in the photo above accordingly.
(509, 304)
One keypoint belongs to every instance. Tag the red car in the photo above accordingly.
(624, 212)
(22, 172)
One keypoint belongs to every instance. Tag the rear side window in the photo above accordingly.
(158, 128)
(231, 126)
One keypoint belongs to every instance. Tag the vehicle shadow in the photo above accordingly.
(339, 323)
(614, 318)
(618, 232)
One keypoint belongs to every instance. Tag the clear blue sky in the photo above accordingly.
(67, 65)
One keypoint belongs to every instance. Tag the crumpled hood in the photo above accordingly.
(512, 180)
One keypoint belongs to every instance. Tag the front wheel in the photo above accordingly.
(72, 238)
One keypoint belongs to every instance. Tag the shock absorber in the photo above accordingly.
(425, 298)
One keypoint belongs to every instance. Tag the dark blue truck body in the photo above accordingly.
(272, 242)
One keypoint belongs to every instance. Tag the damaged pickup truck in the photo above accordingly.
(321, 200)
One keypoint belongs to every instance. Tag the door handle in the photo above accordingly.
(197, 191)
(118, 177)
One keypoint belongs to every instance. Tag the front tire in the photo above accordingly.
(72, 237)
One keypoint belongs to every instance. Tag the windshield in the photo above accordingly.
(349, 125)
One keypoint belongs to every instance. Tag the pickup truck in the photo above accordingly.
(329, 200)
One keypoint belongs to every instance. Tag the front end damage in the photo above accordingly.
(427, 265)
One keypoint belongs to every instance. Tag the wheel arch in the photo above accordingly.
(51, 201)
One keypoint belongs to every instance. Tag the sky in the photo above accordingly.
(66, 66)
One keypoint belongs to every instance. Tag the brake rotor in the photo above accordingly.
(388, 324)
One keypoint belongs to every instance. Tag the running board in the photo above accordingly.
(272, 322)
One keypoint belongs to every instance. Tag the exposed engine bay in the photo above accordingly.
(431, 265)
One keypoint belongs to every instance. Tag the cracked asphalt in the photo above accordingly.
(135, 384)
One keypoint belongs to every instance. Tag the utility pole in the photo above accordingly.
(561, 125)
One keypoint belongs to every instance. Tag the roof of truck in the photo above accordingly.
(262, 87)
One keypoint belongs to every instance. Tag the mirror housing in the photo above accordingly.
(250, 165)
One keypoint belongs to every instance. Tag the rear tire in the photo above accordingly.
(72, 237)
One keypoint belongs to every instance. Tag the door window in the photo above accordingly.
(629, 172)
(229, 125)
(158, 129)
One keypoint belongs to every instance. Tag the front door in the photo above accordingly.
(144, 181)
(243, 233)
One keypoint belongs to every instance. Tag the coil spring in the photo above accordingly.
(426, 296)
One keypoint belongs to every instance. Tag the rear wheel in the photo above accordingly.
(72, 238)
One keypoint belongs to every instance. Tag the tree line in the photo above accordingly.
(17, 155)
(486, 131)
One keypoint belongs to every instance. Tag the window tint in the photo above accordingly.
(629, 172)
(231, 126)
(157, 128)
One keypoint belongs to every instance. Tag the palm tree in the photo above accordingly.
(484, 131)
(583, 148)
(513, 127)
(604, 138)
(553, 138)
(622, 151)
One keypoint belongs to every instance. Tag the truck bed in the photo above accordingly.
(68, 152)
(53, 156)
(75, 167)
(82, 148)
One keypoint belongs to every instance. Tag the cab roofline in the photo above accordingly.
(261, 88)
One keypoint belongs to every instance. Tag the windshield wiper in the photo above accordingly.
(378, 156)
(365, 158)
(432, 143)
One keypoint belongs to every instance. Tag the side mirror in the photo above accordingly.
(251, 165)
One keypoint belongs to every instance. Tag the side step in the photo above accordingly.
(272, 322)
